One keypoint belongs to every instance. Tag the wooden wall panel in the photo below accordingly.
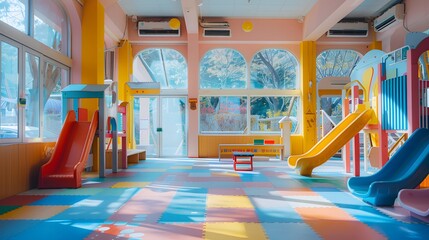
(19, 167)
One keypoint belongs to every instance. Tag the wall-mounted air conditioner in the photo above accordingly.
(217, 32)
(156, 29)
(392, 15)
(349, 29)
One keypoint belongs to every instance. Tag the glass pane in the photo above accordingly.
(223, 68)
(55, 79)
(32, 94)
(267, 111)
(334, 63)
(174, 127)
(424, 66)
(223, 114)
(146, 123)
(273, 69)
(13, 12)
(166, 66)
(9, 91)
(50, 25)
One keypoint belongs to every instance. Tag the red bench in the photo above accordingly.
(243, 158)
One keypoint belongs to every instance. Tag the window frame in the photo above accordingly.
(249, 93)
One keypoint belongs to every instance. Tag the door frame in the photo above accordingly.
(159, 137)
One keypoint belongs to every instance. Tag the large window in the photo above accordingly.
(31, 80)
(223, 69)
(44, 20)
(231, 101)
(166, 66)
(334, 63)
(273, 69)
(225, 114)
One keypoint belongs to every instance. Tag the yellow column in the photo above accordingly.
(309, 96)
(375, 45)
(92, 49)
(92, 57)
(125, 71)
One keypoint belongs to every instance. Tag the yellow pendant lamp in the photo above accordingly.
(174, 23)
(247, 26)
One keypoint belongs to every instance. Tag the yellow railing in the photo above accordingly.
(398, 143)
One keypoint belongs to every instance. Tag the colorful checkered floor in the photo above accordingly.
(205, 199)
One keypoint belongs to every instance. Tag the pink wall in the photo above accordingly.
(268, 30)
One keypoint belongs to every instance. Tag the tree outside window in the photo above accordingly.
(223, 68)
(273, 75)
(335, 63)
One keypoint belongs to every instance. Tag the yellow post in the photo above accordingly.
(92, 57)
(92, 49)
(375, 45)
(309, 96)
(125, 71)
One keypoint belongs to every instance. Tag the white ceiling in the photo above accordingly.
(286, 9)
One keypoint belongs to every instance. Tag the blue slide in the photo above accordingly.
(407, 168)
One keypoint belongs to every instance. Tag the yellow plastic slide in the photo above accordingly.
(332, 142)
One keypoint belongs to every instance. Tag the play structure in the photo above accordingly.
(64, 168)
(72, 149)
(404, 108)
(332, 142)
(408, 167)
(395, 105)
(415, 201)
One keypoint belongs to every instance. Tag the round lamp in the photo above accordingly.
(247, 26)
(174, 23)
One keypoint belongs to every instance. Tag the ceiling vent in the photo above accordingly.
(349, 29)
(156, 29)
(389, 18)
(217, 32)
(214, 24)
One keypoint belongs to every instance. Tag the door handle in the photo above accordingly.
(159, 129)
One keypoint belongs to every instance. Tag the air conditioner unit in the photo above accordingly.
(391, 16)
(349, 29)
(217, 32)
(156, 29)
(214, 24)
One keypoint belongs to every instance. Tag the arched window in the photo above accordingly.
(45, 21)
(232, 102)
(335, 63)
(166, 66)
(223, 68)
(273, 69)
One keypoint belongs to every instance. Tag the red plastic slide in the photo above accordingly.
(64, 168)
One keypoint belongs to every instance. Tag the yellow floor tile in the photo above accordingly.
(33, 212)
(130, 185)
(233, 230)
(225, 201)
